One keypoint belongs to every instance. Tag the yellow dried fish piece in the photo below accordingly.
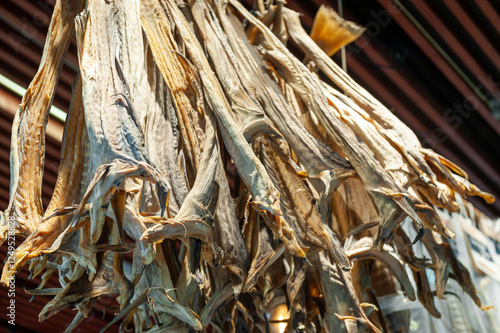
(161, 301)
(424, 291)
(109, 279)
(444, 263)
(331, 32)
(390, 159)
(174, 70)
(387, 123)
(314, 156)
(298, 204)
(130, 217)
(453, 176)
(248, 113)
(71, 174)
(266, 197)
(28, 134)
(265, 254)
(340, 298)
(112, 124)
(195, 217)
(390, 126)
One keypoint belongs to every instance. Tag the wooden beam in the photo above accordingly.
(474, 31)
(441, 63)
(458, 47)
(490, 13)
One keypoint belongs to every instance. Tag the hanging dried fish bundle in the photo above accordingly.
(168, 93)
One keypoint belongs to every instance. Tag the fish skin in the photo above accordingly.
(204, 173)
(335, 285)
(179, 80)
(442, 268)
(152, 102)
(265, 256)
(112, 123)
(131, 218)
(250, 169)
(164, 303)
(199, 206)
(314, 156)
(162, 141)
(265, 195)
(445, 264)
(364, 285)
(393, 129)
(364, 250)
(388, 197)
(108, 279)
(424, 292)
(297, 202)
(28, 134)
(229, 237)
(390, 159)
(295, 283)
(71, 173)
(248, 113)
(403, 245)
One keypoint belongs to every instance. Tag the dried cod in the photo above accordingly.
(233, 180)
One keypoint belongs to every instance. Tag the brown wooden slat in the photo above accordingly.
(29, 53)
(15, 16)
(456, 44)
(490, 13)
(442, 64)
(474, 31)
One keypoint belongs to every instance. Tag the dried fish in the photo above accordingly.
(71, 173)
(315, 156)
(208, 175)
(28, 136)
(390, 199)
(363, 249)
(344, 311)
(388, 124)
(331, 32)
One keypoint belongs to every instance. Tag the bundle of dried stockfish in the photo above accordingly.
(168, 92)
